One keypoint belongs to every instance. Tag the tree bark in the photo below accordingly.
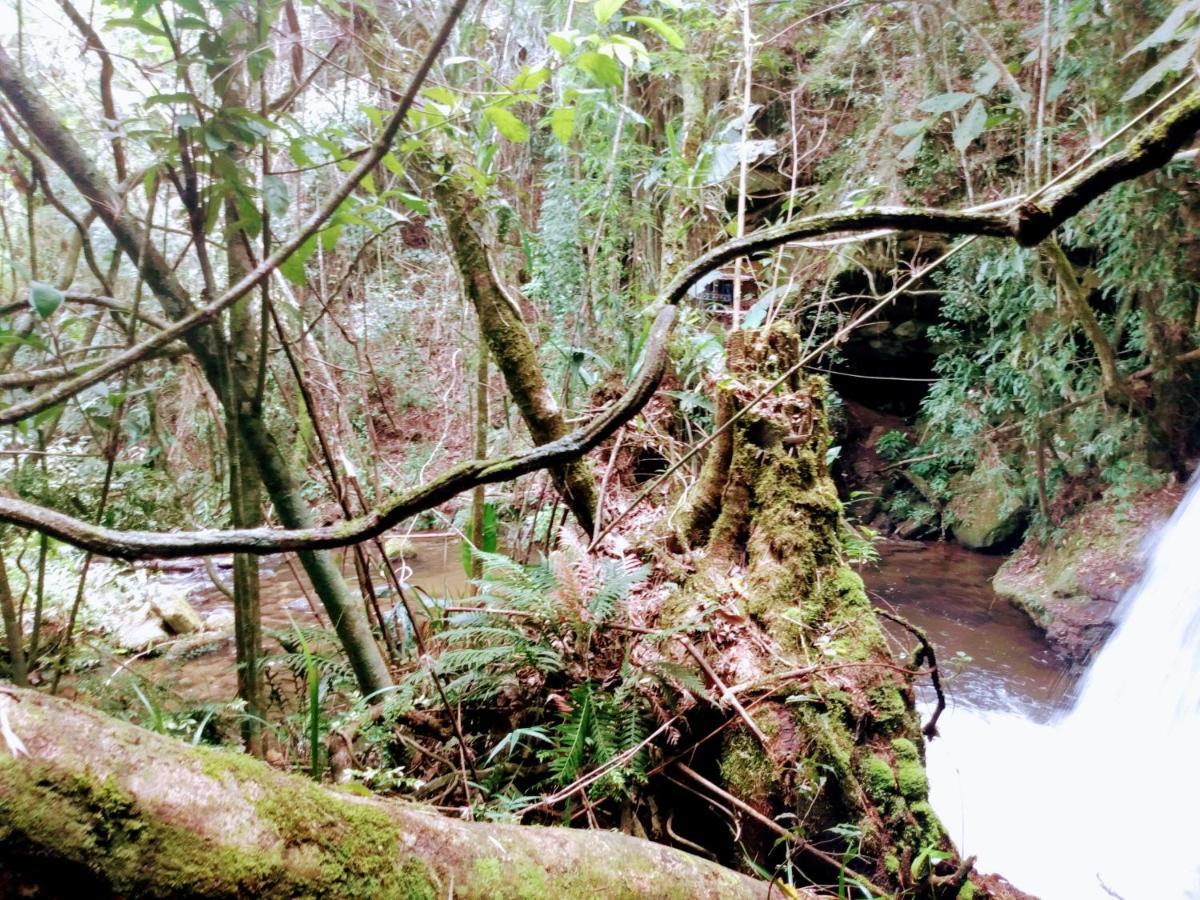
(97, 807)
(832, 736)
(511, 346)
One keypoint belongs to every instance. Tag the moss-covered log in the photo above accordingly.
(835, 751)
(95, 807)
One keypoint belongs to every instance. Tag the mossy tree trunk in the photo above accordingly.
(836, 754)
(96, 807)
(511, 346)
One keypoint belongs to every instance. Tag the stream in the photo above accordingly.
(1070, 791)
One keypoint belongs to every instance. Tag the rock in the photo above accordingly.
(177, 613)
(197, 644)
(1071, 588)
(143, 628)
(988, 508)
(401, 547)
(219, 620)
(911, 531)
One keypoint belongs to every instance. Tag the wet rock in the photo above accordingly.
(219, 620)
(988, 509)
(176, 613)
(402, 547)
(197, 644)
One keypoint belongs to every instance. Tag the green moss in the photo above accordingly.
(329, 847)
(966, 892)
(892, 864)
(879, 779)
(746, 769)
(522, 881)
(906, 750)
(352, 846)
(888, 706)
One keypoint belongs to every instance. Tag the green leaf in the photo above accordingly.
(275, 196)
(178, 97)
(971, 126)
(603, 69)
(1169, 29)
(562, 123)
(756, 314)
(1172, 62)
(507, 124)
(193, 22)
(911, 129)
(986, 77)
(561, 43)
(911, 149)
(139, 24)
(45, 298)
(665, 31)
(214, 141)
(292, 268)
(415, 203)
(529, 79)
(605, 9)
(944, 103)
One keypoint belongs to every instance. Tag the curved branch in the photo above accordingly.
(34, 377)
(1029, 224)
(463, 477)
(155, 321)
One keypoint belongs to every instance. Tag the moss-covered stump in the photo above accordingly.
(835, 752)
(90, 806)
(1071, 584)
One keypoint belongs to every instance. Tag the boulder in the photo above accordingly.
(176, 613)
(988, 507)
(219, 620)
(142, 628)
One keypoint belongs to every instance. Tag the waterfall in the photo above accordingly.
(1105, 800)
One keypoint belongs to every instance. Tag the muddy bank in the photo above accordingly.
(1070, 584)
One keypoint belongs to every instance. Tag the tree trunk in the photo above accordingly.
(835, 745)
(512, 348)
(90, 806)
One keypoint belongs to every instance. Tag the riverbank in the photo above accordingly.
(1070, 583)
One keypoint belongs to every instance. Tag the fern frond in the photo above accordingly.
(620, 576)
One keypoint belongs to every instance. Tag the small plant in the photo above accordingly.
(893, 445)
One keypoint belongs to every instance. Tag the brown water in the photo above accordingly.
(432, 563)
(946, 591)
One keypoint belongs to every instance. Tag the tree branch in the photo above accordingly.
(1030, 223)
(62, 147)
(463, 477)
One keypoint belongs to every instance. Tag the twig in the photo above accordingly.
(801, 844)
(925, 653)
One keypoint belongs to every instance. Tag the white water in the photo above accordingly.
(1107, 796)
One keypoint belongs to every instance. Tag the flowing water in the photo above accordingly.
(1097, 797)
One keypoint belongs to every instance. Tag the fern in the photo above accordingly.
(569, 753)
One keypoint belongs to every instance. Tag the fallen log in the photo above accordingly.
(91, 806)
